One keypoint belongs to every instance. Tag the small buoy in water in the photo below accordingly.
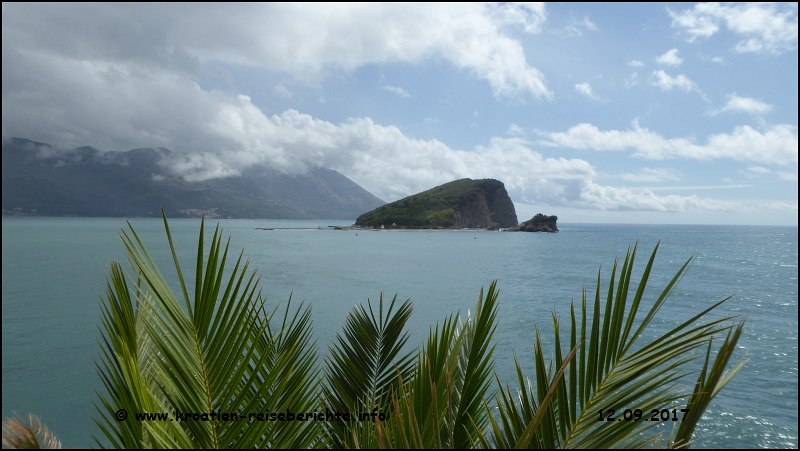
(475, 238)
(356, 234)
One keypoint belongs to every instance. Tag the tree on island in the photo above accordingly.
(216, 348)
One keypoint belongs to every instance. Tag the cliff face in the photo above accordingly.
(459, 204)
(501, 209)
(473, 212)
(539, 223)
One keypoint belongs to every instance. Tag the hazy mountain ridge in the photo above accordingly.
(90, 182)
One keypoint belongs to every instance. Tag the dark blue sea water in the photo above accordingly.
(54, 270)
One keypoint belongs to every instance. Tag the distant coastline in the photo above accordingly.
(40, 180)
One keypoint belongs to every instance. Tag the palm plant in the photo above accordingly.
(217, 353)
(437, 402)
(441, 403)
(222, 351)
(31, 434)
(363, 371)
(606, 368)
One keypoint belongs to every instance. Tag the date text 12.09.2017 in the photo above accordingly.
(637, 415)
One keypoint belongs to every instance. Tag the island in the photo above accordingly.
(460, 204)
(538, 223)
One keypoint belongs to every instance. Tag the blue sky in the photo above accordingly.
(643, 113)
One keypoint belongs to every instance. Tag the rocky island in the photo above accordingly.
(538, 223)
(465, 203)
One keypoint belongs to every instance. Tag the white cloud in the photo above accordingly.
(79, 74)
(765, 27)
(586, 89)
(588, 24)
(308, 41)
(632, 80)
(718, 60)
(613, 198)
(391, 165)
(788, 176)
(649, 175)
(776, 145)
(574, 29)
(399, 91)
(216, 135)
(696, 187)
(515, 130)
(529, 15)
(745, 105)
(282, 91)
(695, 23)
(782, 205)
(666, 82)
(635, 63)
(670, 58)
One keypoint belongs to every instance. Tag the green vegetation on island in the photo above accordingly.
(464, 203)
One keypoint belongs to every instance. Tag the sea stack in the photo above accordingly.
(538, 223)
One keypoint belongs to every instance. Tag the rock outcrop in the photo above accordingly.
(465, 203)
(472, 212)
(539, 223)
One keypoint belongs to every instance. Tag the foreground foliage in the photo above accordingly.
(31, 434)
(221, 350)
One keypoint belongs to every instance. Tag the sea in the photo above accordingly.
(55, 269)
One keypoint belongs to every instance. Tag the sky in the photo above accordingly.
(612, 113)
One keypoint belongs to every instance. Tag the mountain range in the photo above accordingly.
(39, 179)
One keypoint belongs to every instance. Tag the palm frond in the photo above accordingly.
(19, 434)
(363, 367)
(125, 364)
(609, 372)
(709, 383)
(441, 406)
(215, 354)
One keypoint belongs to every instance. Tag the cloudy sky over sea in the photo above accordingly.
(664, 113)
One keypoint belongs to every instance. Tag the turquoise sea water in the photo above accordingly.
(54, 269)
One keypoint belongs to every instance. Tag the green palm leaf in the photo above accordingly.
(610, 372)
(709, 383)
(218, 353)
(363, 367)
(441, 406)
